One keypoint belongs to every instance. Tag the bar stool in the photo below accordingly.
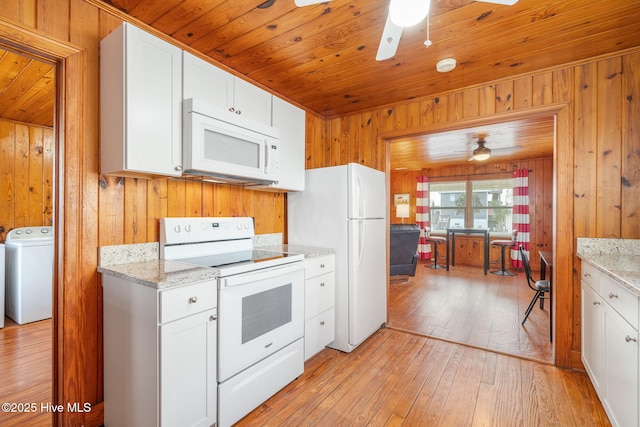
(503, 244)
(435, 240)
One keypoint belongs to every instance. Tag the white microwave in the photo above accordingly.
(221, 146)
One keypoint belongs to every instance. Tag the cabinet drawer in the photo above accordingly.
(318, 332)
(623, 301)
(316, 266)
(186, 300)
(319, 294)
(591, 276)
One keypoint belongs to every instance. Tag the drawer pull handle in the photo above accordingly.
(321, 265)
(596, 302)
(193, 300)
(629, 339)
(322, 324)
(586, 274)
(612, 295)
(322, 284)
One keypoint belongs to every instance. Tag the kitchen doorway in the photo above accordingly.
(28, 155)
(435, 306)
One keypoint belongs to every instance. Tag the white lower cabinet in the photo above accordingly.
(610, 350)
(159, 354)
(319, 304)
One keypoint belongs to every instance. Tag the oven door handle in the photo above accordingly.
(266, 273)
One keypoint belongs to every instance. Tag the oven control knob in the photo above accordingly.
(239, 226)
(176, 228)
(187, 228)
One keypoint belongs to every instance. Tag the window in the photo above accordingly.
(486, 203)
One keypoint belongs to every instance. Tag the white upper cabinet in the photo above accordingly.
(291, 122)
(221, 89)
(140, 104)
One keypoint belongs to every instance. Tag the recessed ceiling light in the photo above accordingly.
(446, 65)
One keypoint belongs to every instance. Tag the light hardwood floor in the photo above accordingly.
(464, 305)
(26, 361)
(400, 378)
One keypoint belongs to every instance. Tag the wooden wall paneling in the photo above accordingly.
(344, 141)
(455, 111)
(335, 148)
(48, 172)
(156, 207)
(193, 198)
(426, 112)
(354, 139)
(176, 198)
(504, 97)
(135, 210)
(522, 93)
(413, 115)
(487, 100)
(471, 102)
(23, 11)
(7, 179)
(440, 109)
(630, 123)
(111, 205)
(542, 89)
(54, 18)
(36, 181)
(585, 130)
(366, 146)
(609, 134)
(21, 173)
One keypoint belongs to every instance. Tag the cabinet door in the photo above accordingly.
(207, 82)
(251, 102)
(140, 104)
(291, 121)
(620, 369)
(153, 104)
(188, 383)
(592, 336)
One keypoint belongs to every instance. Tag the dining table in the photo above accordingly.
(451, 244)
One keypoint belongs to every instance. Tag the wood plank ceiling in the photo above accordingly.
(27, 89)
(323, 56)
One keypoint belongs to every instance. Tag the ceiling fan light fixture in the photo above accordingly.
(407, 13)
(446, 65)
(481, 153)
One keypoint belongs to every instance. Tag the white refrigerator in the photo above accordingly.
(343, 208)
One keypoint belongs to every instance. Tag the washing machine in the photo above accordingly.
(1, 285)
(29, 274)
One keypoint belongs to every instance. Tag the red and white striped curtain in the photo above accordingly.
(422, 216)
(520, 214)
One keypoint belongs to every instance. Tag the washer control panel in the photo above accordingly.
(25, 233)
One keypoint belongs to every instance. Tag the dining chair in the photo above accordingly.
(541, 287)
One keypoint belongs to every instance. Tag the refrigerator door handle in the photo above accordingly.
(361, 212)
(360, 242)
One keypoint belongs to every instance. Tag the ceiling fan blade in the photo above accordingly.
(504, 2)
(301, 3)
(389, 41)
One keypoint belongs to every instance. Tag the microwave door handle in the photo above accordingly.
(267, 157)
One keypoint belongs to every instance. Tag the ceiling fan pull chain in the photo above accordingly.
(428, 42)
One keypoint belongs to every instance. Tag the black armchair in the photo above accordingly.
(403, 250)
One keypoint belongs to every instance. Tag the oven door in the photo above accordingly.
(258, 313)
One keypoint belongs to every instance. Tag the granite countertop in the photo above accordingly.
(140, 263)
(616, 258)
(160, 274)
(307, 251)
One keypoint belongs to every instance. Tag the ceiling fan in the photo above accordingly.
(402, 13)
(482, 152)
